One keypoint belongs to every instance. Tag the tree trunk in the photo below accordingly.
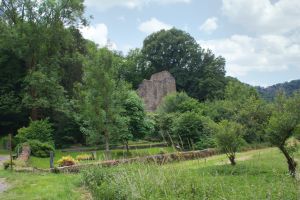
(232, 159)
(291, 162)
(107, 151)
(127, 147)
(34, 114)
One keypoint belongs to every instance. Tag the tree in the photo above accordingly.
(36, 36)
(229, 138)
(131, 68)
(100, 96)
(243, 105)
(178, 102)
(197, 71)
(134, 111)
(283, 124)
(189, 128)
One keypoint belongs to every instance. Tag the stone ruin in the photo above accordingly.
(154, 90)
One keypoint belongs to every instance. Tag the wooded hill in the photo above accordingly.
(268, 93)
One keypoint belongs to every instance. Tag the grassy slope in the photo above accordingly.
(261, 175)
(44, 162)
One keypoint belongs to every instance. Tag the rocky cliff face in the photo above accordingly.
(152, 91)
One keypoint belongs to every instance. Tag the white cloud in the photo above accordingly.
(98, 34)
(131, 4)
(263, 16)
(266, 53)
(209, 25)
(153, 25)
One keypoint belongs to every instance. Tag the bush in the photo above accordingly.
(37, 130)
(66, 161)
(229, 138)
(190, 127)
(85, 157)
(38, 149)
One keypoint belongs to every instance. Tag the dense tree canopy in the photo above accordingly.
(197, 71)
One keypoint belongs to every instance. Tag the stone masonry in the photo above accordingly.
(152, 91)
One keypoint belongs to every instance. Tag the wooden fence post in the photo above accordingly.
(10, 151)
(51, 160)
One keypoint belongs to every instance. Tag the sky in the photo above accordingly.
(260, 39)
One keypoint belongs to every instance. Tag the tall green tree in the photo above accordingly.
(35, 35)
(99, 96)
(197, 71)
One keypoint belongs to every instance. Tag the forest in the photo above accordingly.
(59, 91)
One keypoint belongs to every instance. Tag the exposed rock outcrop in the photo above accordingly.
(154, 90)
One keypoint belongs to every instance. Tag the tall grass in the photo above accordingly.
(263, 176)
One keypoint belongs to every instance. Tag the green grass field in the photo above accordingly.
(259, 174)
(116, 154)
(41, 186)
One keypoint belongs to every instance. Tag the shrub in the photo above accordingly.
(85, 157)
(66, 161)
(190, 127)
(38, 149)
(37, 130)
(229, 138)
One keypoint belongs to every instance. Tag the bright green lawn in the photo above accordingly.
(116, 154)
(260, 174)
(27, 186)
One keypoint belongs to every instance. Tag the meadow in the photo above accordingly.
(259, 174)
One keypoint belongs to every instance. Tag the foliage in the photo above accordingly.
(131, 68)
(283, 124)
(179, 102)
(243, 105)
(37, 148)
(229, 138)
(189, 128)
(40, 130)
(198, 72)
(99, 96)
(269, 93)
(134, 110)
(152, 127)
(66, 161)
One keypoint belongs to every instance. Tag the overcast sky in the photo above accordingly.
(260, 39)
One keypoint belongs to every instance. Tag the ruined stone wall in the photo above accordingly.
(152, 91)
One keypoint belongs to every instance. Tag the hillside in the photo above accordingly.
(269, 93)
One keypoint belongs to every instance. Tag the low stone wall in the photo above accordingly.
(158, 159)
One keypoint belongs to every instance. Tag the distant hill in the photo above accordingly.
(269, 93)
